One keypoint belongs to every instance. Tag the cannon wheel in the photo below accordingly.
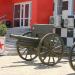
(72, 57)
(26, 53)
(50, 49)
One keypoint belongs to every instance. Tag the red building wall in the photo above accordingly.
(6, 9)
(74, 6)
(34, 12)
(41, 11)
(17, 1)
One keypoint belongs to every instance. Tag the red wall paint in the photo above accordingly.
(34, 12)
(45, 10)
(18, 1)
(74, 7)
(41, 11)
(6, 9)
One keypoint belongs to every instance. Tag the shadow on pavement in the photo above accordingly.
(34, 63)
(13, 66)
(1, 55)
(42, 66)
(38, 65)
(31, 63)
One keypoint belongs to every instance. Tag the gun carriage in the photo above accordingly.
(41, 41)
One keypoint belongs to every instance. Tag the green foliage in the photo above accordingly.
(3, 29)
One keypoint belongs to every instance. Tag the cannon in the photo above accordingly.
(41, 41)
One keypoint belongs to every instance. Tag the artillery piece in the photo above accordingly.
(41, 42)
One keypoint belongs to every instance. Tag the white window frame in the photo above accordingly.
(30, 15)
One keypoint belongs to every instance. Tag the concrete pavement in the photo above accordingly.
(14, 65)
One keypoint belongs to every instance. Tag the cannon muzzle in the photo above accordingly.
(15, 36)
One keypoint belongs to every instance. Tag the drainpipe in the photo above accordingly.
(70, 7)
(57, 18)
(55, 11)
(70, 14)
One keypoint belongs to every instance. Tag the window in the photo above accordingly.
(17, 15)
(22, 14)
(65, 5)
(17, 11)
(16, 22)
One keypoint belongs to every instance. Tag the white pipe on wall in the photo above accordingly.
(70, 7)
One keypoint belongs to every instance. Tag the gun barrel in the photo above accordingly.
(23, 37)
(15, 36)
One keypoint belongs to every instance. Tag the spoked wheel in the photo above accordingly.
(72, 58)
(26, 53)
(50, 49)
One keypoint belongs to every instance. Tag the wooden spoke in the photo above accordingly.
(24, 52)
(26, 56)
(49, 60)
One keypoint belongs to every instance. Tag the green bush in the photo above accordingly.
(3, 29)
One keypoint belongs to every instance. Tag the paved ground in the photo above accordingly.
(14, 65)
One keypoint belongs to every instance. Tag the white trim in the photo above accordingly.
(13, 15)
(29, 15)
(70, 7)
(20, 14)
(24, 15)
(23, 2)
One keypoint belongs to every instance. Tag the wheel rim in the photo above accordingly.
(72, 58)
(26, 53)
(50, 49)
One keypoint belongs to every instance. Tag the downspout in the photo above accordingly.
(57, 17)
(70, 14)
(70, 7)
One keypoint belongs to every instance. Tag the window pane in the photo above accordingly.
(17, 11)
(17, 23)
(22, 11)
(21, 22)
(26, 10)
(65, 5)
(30, 11)
(26, 22)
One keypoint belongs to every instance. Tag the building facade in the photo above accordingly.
(26, 12)
(64, 18)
